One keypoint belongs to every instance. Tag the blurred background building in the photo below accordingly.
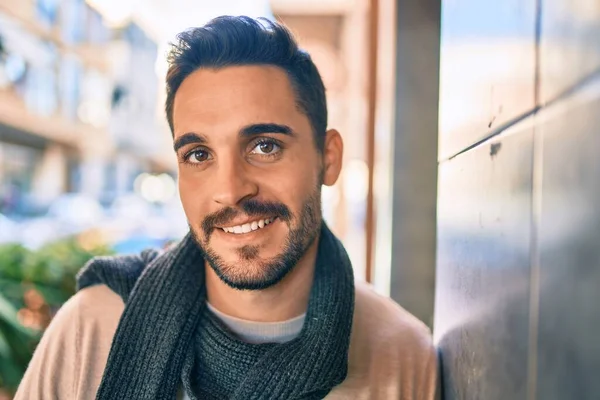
(79, 118)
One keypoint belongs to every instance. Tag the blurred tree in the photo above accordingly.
(33, 285)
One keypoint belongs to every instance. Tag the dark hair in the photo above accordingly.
(232, 41)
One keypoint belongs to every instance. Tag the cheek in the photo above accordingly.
(292, 188)
(192, 197)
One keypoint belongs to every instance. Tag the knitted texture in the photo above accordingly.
(167, 336)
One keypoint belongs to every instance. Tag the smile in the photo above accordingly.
(248, 227)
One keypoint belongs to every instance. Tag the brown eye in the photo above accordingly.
(266, 148)
(197, 156)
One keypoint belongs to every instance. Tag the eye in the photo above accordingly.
(266, 147)
(197, 156)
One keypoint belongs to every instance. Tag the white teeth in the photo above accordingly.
(249, 227)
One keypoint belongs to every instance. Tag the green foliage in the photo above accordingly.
(50, 272)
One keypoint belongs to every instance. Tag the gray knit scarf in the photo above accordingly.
(166, 337)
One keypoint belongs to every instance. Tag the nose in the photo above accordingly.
(232, 182)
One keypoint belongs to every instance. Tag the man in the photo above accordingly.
(258, 301)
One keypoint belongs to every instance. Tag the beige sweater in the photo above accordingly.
(391, 355)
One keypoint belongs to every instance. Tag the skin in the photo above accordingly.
(247, 152)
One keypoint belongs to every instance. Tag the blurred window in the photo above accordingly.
(47, 12)
(73, 21)
(70, 86)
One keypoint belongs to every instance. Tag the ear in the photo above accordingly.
(333, 153)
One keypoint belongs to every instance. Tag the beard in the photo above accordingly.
(251, 272)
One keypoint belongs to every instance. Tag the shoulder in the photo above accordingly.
(384, 320)
(72, 354)
(391, 352)
(85, 327)
(98, 310)
(95, 311)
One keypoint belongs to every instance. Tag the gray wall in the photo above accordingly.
(415, 153)
(517, 310)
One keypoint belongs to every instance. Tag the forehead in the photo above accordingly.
(234, 96)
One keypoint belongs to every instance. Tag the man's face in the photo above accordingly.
(249, 172)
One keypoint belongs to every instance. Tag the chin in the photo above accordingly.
(249, 271)
(251, 275)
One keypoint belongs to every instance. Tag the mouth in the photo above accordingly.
(248, 226)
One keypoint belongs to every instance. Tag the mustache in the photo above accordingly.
(250, 208)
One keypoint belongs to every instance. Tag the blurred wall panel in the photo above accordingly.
(484, 220)
(487, 68)
(570, 45)
(569, 238)
(518, 225)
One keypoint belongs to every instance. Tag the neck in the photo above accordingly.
(283, 301)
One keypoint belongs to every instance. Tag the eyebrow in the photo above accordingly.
(249, 130)
(187, 138)
(258, 129)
